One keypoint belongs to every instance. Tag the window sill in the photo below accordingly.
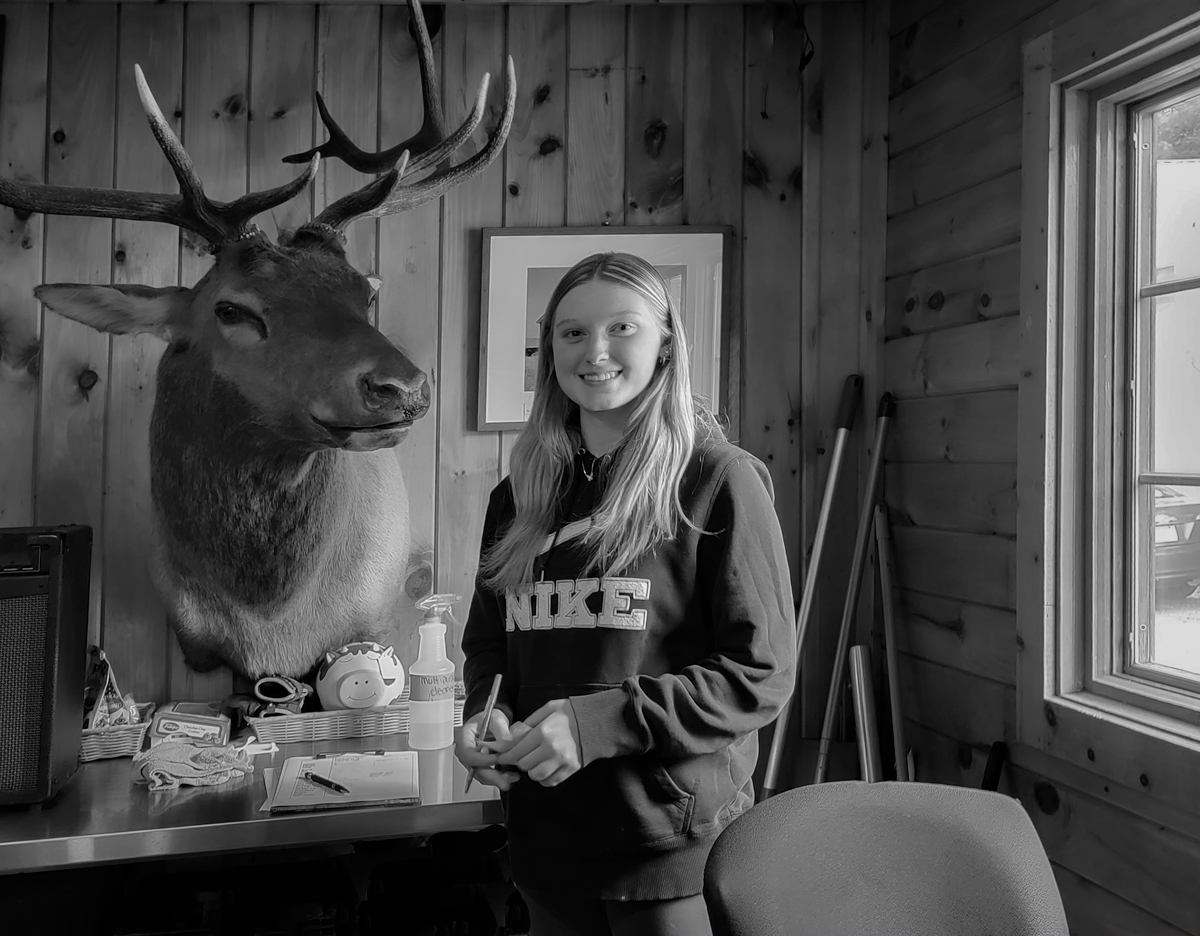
(1155, 757)
(1175, 711)
(1127, 716)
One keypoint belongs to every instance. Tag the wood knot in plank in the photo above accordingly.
(87, 381)
(194, 243)
(541, 95)
(434, 15)
(24, 357)
(419, 582)
(232, 106)
(1046, 797)
(654, 138)
(549, 145)
(754, 171)
(936, 300)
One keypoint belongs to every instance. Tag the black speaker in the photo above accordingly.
(45, 574)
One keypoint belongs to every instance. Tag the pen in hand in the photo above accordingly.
(483, 730)
(325, 782)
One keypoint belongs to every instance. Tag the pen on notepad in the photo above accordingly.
(487, 723)
(325, 782)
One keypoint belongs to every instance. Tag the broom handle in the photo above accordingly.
(883, 547)
(847, 406)
(865, 521)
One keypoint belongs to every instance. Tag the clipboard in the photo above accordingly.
(375, 779)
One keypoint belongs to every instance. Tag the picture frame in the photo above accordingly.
(521, 267)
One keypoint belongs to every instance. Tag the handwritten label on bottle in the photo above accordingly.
(431, 688)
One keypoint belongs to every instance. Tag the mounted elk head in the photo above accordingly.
(280, 524)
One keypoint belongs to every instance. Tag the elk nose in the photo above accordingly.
(381, 391)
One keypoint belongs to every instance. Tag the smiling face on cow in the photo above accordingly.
(288, 326)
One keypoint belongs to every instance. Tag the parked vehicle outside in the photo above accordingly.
(1176, 539)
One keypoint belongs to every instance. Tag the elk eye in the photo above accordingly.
(229, 314)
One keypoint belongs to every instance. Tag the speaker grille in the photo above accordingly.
(22, 684)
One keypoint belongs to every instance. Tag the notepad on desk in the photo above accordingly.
(386, 779)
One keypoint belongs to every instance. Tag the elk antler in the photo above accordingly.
(430, 147)
(432, 132)
(216, 222)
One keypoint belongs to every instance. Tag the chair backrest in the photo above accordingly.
(883, 858)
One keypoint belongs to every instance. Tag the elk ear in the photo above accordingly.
(125, 309)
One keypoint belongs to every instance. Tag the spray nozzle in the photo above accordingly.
(436, 605)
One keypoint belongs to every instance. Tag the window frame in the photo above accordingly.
(1071, 701)
(1117, 416)
(1134, 125)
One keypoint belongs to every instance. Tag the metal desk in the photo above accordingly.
(102, 816)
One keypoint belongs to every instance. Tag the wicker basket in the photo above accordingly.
(345, 723)
(117, 741)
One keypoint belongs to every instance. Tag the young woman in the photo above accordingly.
(634, 593)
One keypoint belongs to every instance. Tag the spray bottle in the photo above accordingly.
(431, 681)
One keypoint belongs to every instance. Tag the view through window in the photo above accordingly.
(1163, 642)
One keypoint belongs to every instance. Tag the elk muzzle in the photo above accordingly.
(403, 399)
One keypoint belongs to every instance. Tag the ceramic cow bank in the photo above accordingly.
(280, 521)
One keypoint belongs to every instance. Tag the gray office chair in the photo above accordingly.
(882, 858)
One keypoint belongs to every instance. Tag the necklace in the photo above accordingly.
(590, 471)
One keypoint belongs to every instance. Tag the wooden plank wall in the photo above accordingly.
(953, 256)
(710, 81)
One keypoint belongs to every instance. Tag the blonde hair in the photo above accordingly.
(640, 506)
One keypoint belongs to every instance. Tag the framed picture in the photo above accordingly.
(521, 267)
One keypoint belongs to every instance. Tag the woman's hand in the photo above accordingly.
(545, 745)
(466, 745)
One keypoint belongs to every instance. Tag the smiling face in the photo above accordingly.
(606, 340)
(360, 675)
(361, 690)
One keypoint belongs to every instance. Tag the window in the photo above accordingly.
(1108, 537)
(1132, 354)
(1161, 634)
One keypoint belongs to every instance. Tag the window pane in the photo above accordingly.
(1177, 190)
(1172, 636)
(1175, 383)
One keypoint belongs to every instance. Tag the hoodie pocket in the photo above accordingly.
(613, 805)
(649, 804)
